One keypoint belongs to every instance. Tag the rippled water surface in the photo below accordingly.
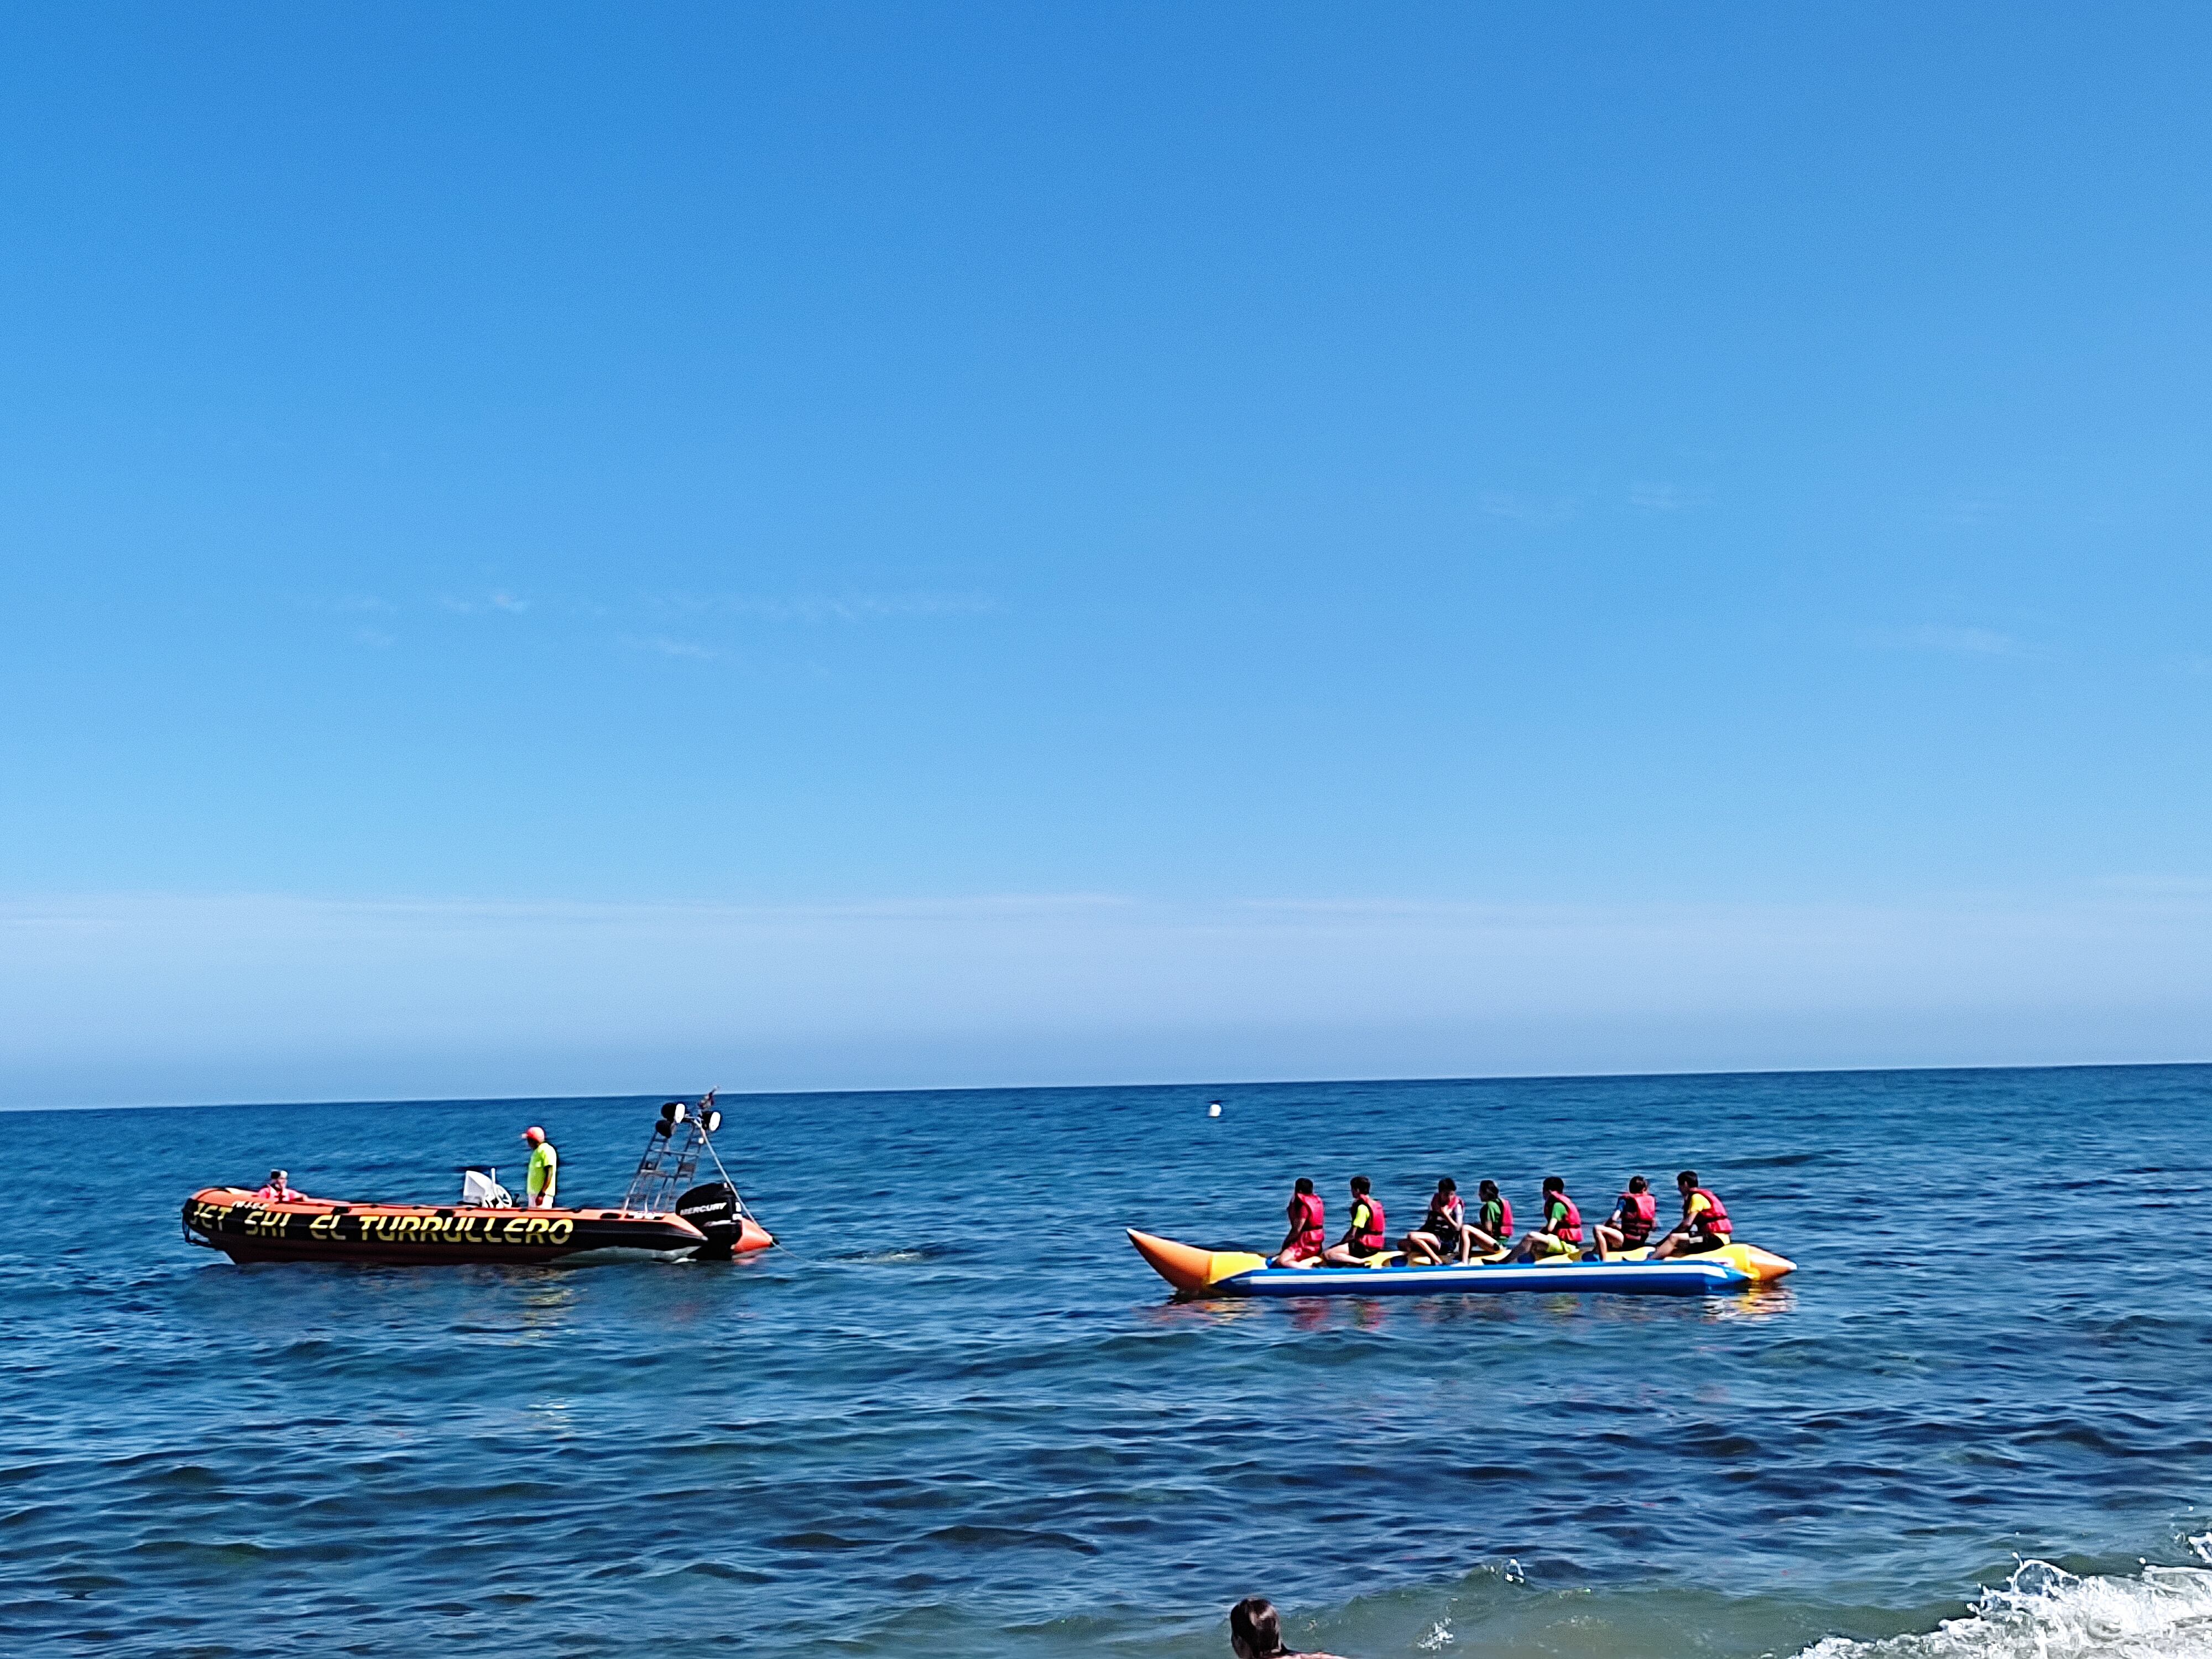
(959, 1416)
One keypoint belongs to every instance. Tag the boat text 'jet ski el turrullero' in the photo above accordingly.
(662, 1216)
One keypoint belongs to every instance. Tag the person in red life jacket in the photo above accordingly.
(1363, 1241)
(1308, 1234)
(1630, 1224)
(1491, 1232)
(1443, 1231)
(280, 1190)
(1255, 1631)
(1560, 1232)
(1705, 1225)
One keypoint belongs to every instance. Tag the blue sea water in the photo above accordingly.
(958, 1415)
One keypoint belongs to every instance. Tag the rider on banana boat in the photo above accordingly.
(1632, 1219)
(1492, 1226)
(1704, 1224)
(1443, 1230)
(1561, 1233)
(1308, 1236)
(1364, 1239)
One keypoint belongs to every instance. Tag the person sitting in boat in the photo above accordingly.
(1630, 1224)
(1255, 1631)
(544, 1170)
(1309, 1235)
(280, 1190)
(1560, 1232)
(1363, 1241)
(1704, 1224)
(1491, 1229)
(1443, 1231)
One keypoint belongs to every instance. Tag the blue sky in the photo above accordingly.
(1027, 544)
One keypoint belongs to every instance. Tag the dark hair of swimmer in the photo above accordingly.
(1553, 1184)
(1256, 1629)
(1360, 1184)
(1688, 1178)
(1305, 1184)
(1488, 1190)
(1638, 1184)
(1446, 1184)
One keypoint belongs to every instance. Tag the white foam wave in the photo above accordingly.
(2043, 1611)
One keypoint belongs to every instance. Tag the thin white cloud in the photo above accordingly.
(500, 600)
(1534, 512)
(1957, 642)
(1666, 497)
(1974, 509)
(834, 607)
(660, 645)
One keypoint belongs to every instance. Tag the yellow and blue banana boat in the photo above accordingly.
(1195, 1271)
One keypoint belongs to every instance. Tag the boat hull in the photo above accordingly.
(246, 1229)
(1195, 1271)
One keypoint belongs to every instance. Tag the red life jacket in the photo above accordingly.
(1368, 1238)
(1714, 1219)
(1639, 1212)
(1308, 1231)
(1445, 1218)
(1570, 1228)
(1505, 1219)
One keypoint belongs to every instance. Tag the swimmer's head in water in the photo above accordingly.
(1256, 1629)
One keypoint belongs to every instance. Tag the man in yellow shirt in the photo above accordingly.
(1705, 1225)
(544, 1169)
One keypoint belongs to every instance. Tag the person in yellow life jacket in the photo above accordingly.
(1632, 1219)
(1705, 1225)
(1364, 1239)
(544, 1169)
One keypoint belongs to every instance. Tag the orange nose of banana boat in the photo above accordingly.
(1764, 1264)
(1188, 1268)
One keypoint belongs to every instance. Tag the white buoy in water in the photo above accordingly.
(1214, 1110)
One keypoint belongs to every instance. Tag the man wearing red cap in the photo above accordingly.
(544, 1169)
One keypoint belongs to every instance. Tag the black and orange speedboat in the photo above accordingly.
(663, 1216)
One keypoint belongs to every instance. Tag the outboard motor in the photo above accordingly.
(480, 1189)
(715, 1211)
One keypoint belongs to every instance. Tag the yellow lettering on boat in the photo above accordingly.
(559, 1231)
(514, 1230)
